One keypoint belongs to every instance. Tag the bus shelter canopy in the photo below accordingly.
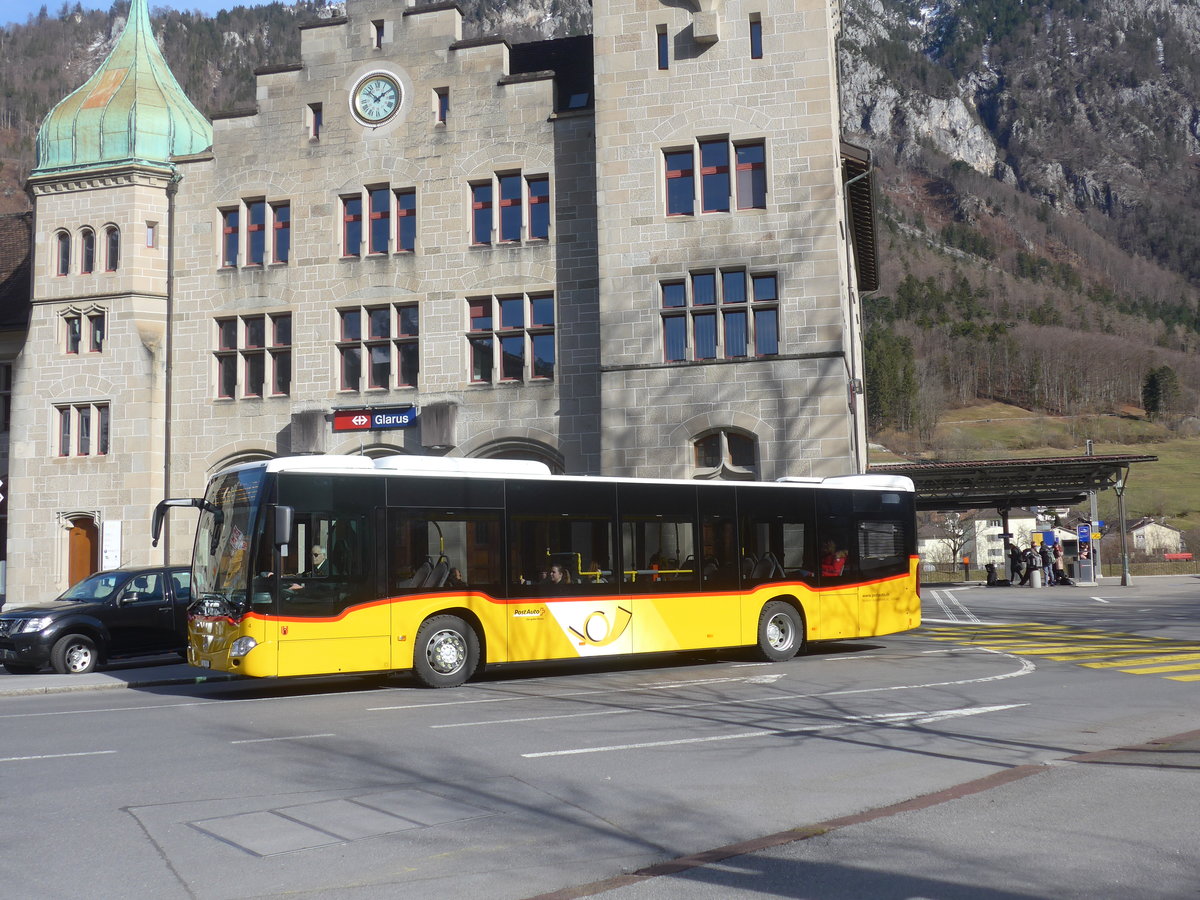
(1007, 483)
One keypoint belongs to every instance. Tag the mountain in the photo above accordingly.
(1038, 174)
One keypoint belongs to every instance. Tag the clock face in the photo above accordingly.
(375, 99)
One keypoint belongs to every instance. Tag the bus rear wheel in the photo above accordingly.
(780, 631)
(446, 653)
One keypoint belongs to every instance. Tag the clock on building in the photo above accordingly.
(375, 98)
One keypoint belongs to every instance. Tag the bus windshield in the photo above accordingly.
(221, 562)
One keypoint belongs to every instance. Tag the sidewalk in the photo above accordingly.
(133, 674)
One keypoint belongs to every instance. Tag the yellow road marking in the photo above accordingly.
(1130, 653)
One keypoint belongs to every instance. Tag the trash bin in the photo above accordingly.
(1083, 572)
(1035, 578)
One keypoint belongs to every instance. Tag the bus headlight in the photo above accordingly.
(242, 646)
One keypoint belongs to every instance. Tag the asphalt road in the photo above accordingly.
(975, 758)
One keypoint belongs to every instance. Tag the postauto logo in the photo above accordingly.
(374, 419)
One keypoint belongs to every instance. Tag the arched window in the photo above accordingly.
(87, 251)
(518, 448)
(62, 262)
(112, 248)
(726, 454)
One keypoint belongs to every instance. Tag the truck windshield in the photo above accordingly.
(100, 586)
(221, 562)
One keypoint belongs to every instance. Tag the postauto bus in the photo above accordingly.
(328, 564)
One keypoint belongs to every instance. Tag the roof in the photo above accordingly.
(132, 110)
(1006, 483)
(859, 180)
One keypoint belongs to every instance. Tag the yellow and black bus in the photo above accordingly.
(326, 564)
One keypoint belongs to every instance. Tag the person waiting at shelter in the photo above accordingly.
(1047, 565)
(1016, 562)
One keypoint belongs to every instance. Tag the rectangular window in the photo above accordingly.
(230, 238)
(718, 317)
(512, 338)
(377, 33)
(256, 232)
(253, 356)
(376, 342)
(714, 176)
(523, 332)
(751, 176)
(352, 226)
(258, 350)
(441, 105)
(663, 48)
(408, 332)
(281, 354)
(705, 326)
(681, 186)
(74, 326)
(481, 213)
(539, 208)
(64, 430)
(406, 221)
(151, 234)
(88, 424)
(314, 119)
(381, 219)
(510, 208)
(96, 332)
(281, 231)
(102, 429)
(749, 184)
(84, 416)
(756, 50)
(766, 315)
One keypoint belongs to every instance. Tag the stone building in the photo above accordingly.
(636, 252)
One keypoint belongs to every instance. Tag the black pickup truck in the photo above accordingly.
(122, 612)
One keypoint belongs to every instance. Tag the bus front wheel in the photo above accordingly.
(446, 653)
(780, 631)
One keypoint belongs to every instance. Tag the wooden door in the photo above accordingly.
(83, 550)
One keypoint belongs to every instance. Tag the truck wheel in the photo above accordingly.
(780, 631)
(74, 654)
(446, 652)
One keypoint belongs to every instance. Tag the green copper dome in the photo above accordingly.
(131, 110)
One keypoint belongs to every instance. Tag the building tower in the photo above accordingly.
(88, 400)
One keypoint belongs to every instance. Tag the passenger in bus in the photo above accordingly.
(455, 579)
(558, 575)
(833, 560)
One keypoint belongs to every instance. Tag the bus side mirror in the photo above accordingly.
(284, 518)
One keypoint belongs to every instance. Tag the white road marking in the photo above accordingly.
(294, 737)
(1100, 600)
(1024, 669)
(57, 755)
(891, 719)
(962, 615)
(650, 686)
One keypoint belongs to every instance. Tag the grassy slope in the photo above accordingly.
(1169, 487)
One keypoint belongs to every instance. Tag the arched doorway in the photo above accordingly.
(83, 549)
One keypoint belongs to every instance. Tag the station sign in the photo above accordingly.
(378, 419)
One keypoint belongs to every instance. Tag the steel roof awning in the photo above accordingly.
(1007, 483)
